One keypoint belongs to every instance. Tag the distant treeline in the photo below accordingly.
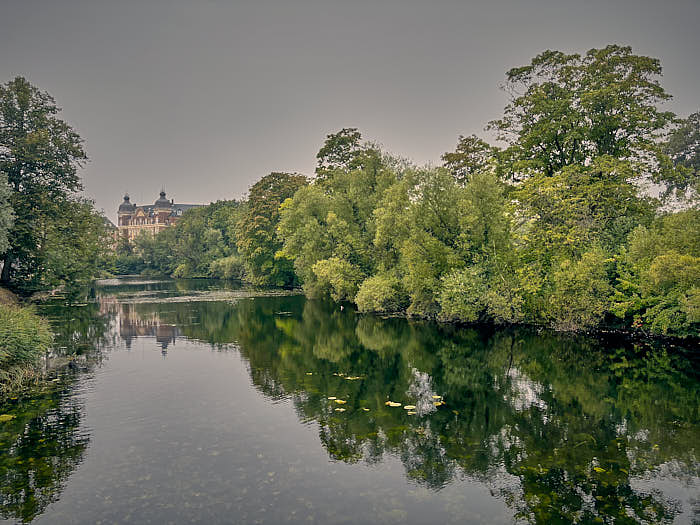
(587, 216)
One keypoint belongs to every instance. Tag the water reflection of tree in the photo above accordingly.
(43, 444)
(80, 330)
(552, 423)
(39, 449)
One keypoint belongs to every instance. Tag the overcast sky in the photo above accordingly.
(205, 97)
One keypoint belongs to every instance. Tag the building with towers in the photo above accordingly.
(151, 218)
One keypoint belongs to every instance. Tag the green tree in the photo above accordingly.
(40, 155)
(345, 151)
(83, 230)
(580, 206)
(656, 287)
(431, 248)
(334, 219)
(567, 109)
(256, 233)
(471, 156)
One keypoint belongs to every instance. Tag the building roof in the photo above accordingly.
(161, 204)
(126, 205)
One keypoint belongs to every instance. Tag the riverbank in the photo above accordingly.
(25, 337)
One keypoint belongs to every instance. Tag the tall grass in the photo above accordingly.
(24, 339)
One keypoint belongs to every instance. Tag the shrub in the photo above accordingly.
(381, 293)
(462, 295)
(338, 277)
(230, 267)
(24, 336)
(580, 293)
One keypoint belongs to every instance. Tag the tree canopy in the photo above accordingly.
(40, 155)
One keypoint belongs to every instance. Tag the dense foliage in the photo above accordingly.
(556, 227)
(49, 236)
(256, 231)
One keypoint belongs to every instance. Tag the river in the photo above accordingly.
(201, 402)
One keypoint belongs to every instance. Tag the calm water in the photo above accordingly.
(199, 403)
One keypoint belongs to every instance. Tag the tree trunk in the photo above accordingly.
(6, 268)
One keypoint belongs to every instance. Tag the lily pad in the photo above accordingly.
(6, 417)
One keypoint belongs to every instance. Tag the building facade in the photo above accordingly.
(151, 218)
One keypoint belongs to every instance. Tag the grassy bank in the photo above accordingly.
(24, 339)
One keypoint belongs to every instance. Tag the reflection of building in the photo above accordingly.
(134, 324)
(151, 218)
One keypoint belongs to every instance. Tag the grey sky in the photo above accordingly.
(205, 97)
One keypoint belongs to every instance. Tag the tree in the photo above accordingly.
(256, 233)
(568, 109)
(656, 286)
(345, 151)
(333, 219)
(579, 207)
(40, 155)
(471, 156)
(83, 230)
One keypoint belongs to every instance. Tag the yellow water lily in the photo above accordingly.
(332, 398)
(437, 397)
(340, 401)
(340, 410)
(365, 409)
(409, 407)
(598, 469)
(411, 412)
(392, 404)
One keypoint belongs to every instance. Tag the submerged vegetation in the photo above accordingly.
(585, 216)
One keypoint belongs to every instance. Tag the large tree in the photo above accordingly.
(39, 155)
(257, 240)
(569, 108)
